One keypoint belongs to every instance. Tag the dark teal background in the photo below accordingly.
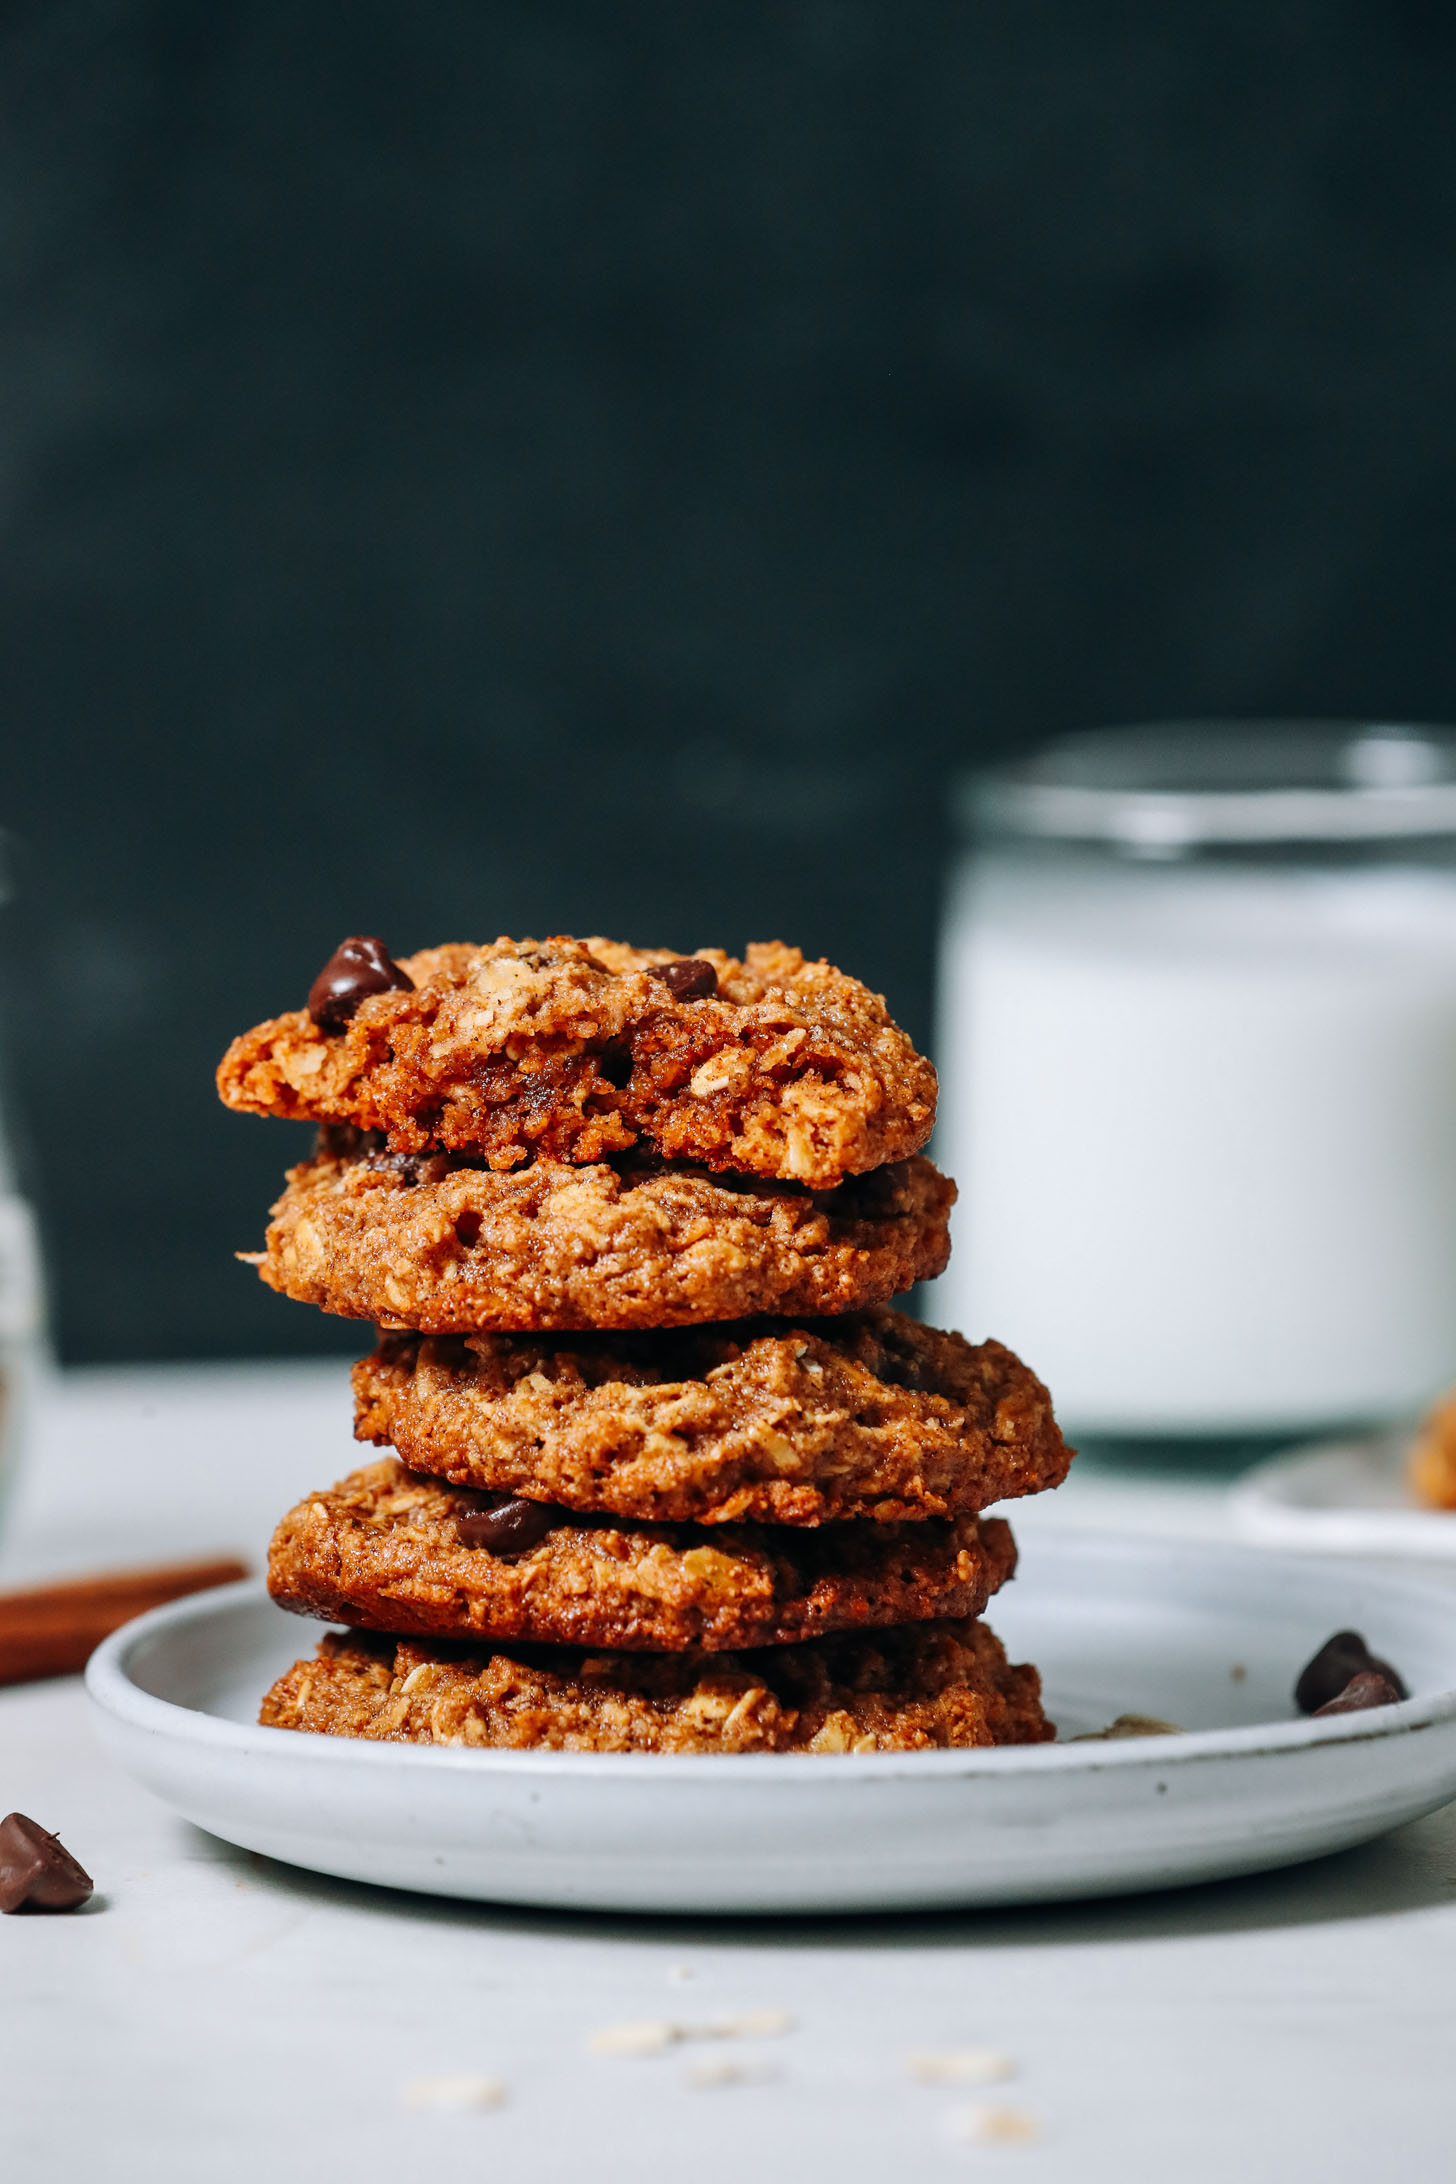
(491, 466)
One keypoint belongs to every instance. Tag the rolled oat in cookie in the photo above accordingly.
(390, 1549)
(432, 1243)
(772, 1422)
(913, 1689)
(576, 1050)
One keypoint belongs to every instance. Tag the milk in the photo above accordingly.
(1203, 1119)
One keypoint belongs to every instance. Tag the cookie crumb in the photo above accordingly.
(466, 2091)
(654, 2035)
(645, 2036)
(680, 1974)
(988, 2124)
(1130, 1725)
(747, 2025)
(710, 2077)
(960, 2066)
(1238, 1672)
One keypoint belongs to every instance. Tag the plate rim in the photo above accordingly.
(113, 1692)
(1265, 1513)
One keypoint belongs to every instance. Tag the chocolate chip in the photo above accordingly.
(416, 1168)
(358, 967)
(689, 979)
(1339, 1658)
(615, 1064)
(1369, 1688)
(467, 1228)
(345, 1141)
(37, 1872)
(510, 1527)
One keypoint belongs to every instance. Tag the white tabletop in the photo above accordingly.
(214, 2017)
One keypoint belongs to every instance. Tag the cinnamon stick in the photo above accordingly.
(54, 1629)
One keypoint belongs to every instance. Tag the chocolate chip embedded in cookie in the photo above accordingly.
(932, 1684)
(388, 1549)
(765, 1422)
(575, 1050)
(358, 967)
(430, 1244)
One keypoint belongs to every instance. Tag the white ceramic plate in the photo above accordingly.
(1343, 1497)
(1211, 1637)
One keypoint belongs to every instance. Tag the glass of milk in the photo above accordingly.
(1198, 1074)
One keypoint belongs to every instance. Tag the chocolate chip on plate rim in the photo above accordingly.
(1369, 1688)
(1340, 1658)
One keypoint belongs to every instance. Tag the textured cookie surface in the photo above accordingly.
(1431, 1466)
(933, 1684)
(575, 1050)
(868, 1416)
(384, 1550)
(420, 1241)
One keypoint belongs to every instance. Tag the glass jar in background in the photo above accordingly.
(1198, 1074)
(22, 1286)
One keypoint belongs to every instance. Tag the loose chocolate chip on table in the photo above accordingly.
(1339, 1658)
(1369, 1688)
(509, 1527)
(689, 979)
(37, 1872)
(358, 967)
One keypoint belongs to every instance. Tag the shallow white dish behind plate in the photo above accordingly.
(1343, 1498)
(1208, 1636)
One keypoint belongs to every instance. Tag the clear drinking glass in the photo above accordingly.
(22, 1285)
(1198, 1053)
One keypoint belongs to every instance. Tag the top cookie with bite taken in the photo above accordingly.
(578, 1050)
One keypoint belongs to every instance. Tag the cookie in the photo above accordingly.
(766, 1422)
(931, 1685)
(423, 1242)
(387, 1549)
(1431, 1464)
(576, 1050)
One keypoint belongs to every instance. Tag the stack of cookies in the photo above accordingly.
(664, 1472)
